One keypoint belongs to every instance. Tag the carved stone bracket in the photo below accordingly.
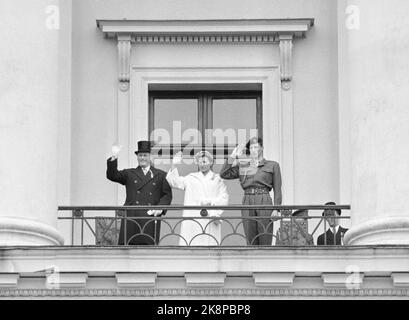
(124, 58)
(286, 57)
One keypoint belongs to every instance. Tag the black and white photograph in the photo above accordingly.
(213, 151)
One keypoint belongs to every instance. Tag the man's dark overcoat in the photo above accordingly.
(141, 189)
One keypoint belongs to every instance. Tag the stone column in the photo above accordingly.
(378, 74)
(29, 33)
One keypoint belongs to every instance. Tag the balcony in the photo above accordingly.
(88, 228)
(91, 264)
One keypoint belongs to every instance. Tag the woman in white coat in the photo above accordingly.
(201, 188)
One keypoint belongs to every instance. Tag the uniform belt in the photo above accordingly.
(256, 191)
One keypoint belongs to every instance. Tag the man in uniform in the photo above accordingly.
(258, 177)
(145, 185)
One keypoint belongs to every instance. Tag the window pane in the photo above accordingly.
(234, 120)
(175, 121)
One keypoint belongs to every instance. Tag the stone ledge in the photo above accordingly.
(9, 280)
(176, 261)
(205, 279)
(342, 280)
(271, 279)
(136, 279)
(400, 279)
(66, 280)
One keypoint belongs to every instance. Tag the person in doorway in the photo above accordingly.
(258, 177)
(205, 188)
(145, 185)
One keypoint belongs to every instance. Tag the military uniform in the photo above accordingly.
(141, 189)
(257, 182)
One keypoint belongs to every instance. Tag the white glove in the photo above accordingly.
(154, 212)
(238, 151)
(177, 158)
(116, 149)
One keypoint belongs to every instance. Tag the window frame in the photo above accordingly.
(205, 112)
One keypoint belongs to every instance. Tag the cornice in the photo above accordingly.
(261, 29)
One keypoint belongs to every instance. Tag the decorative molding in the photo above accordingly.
(205, 292)
(210, 279)
(136, 279)
(273, 279)
(66, 280)
(203, 39)
(286, 57)
(202, 31)
(340, 279)
(400, 279)
(124, 60)
(8, 280)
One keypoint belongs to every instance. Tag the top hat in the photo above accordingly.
(143, 146)
(332, 204)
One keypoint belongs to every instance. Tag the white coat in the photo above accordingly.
(199, 188)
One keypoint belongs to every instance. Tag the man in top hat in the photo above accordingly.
(145, 185)
(327, 238)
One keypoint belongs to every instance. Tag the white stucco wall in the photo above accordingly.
(315, 85)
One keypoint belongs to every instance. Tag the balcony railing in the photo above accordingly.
(293, 226)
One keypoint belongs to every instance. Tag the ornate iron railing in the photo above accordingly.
(223, 230)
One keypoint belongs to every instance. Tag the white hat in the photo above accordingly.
(201, 154)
